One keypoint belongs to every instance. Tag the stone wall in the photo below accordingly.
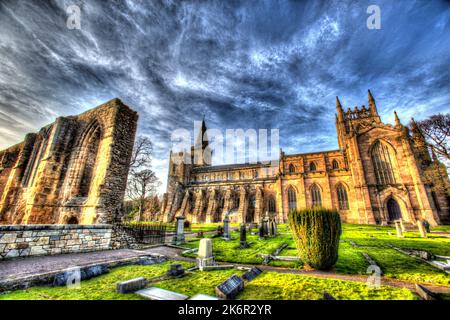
(35, 240)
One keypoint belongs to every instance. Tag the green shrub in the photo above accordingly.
(316, 232)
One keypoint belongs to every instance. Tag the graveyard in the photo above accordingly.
(267, 268)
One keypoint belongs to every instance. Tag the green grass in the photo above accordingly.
(279, 286)
(269, 285)
(99, 288)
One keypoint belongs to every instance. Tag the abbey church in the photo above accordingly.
(380, 173)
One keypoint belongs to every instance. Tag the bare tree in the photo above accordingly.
(142, 181)
(141, 186)
(436, 130)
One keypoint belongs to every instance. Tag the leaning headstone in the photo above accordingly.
(131, 285)
(398, 228)
(230, 288)
(424, 293)
(422, 231)
(175, 270)
(205, 256)
(243, 236)
(251, 274)
(154, 293)
(179, 233)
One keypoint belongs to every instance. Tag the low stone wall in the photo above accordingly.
(35, 240)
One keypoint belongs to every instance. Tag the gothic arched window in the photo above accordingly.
(291, 168)
(382, 163)
(335, 165)
(316, 198)
(312, 167)
(342, 197)
(292, 199)
(272, 207)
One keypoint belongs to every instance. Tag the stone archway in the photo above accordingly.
(393, 209)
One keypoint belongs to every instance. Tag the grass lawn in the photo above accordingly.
(267, 286)
(374, 240)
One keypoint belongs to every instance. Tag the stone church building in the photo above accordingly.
(379, 174)
(73, 171)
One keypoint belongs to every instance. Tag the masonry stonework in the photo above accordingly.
(73, 171)
(379, 174)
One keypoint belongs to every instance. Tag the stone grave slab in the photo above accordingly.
(251, 274)
(230, 288)
(201, 296)
(131, 285)
(154, 293)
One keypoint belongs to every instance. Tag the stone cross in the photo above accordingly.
(423, 232)
(205, 256)
(398, 228)
(226, 227)
(179, 233)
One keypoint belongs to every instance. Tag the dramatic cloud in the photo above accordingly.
(264, 64)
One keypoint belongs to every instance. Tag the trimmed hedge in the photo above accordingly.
(316, 232)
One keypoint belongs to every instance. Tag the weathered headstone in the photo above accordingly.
(272, 227)
(398, 228)
(230, 288)
(131, 285)
(261, 231)
(205, 256)
(426, 225)
(243, 236)
(266, 224)
(179, 232)
(250, 226)
(226, 227)
(251, 274)
(154, 293)
(175, 270)
(422, 231)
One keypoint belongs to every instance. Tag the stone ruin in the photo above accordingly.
(73, 171)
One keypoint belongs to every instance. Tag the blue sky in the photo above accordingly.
(250, 64)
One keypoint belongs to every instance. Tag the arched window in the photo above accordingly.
(335, 165)
(342, 197)
(291, 168)
(316, 198)
(236, 201)
(272, 207)
(292, 199)
(312, 167)
(382, 164)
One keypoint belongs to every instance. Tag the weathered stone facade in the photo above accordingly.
(380, 173)
(73, 171)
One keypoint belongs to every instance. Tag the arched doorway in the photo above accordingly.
(72, 220)
(394, 211)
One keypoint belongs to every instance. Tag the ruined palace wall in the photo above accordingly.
(75, 169)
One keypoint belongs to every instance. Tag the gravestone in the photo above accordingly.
(230, 288)
(179, 233)
(251, 274)
(131, 285)
(175, 270)
(266, 224)
(154, 293)
(243, 236)
(205, 256)
(272, 227)
(398, 228)
(261, 231)
(422, 230)
(250, 226)
(426, 226)
(226, 228)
